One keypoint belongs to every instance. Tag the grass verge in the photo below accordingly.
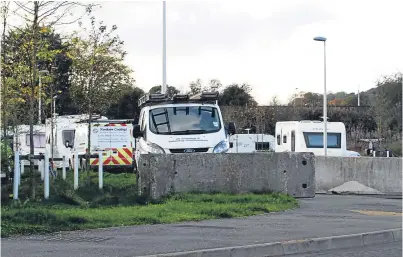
(117, 205)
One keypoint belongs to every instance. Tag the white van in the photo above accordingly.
(307, 136)
(21, 140)
(250, 143)
(181, 125)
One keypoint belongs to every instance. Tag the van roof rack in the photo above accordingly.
(125, 121)
(155, 99)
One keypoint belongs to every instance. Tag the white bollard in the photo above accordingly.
(76, 161)
(16, 175)
(22, 166)
(46, 180)
(374, 153)
(64, 168)
(100, 171)
(41, 168)
(387, 153)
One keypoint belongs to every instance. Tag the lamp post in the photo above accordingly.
(164, 51)
(39, 97)
(323, 39)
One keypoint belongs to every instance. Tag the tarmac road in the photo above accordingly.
(324, 215)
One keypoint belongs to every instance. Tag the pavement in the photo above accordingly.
(389, 250)
(322, 216)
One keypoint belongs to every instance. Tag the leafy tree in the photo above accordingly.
(99, 76)
(127, 106)
(38, 16)
(171, 90)
(238, 95)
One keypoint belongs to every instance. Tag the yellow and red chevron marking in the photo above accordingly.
(124, 156)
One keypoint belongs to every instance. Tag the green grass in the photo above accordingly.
(118, 205)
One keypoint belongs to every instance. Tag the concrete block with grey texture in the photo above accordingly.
(292, 173)
(382, 174)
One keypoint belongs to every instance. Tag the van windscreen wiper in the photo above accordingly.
(188, 131)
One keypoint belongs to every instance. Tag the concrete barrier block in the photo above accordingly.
(305, 246)
(397, 235)
(378, 237)
(382, 174)
(292, 173)
(271, 249)
(346, 241)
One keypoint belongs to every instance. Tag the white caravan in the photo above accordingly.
(181, 125)
(70, 129)
(21, 140)
(250, 143)
(307, 136)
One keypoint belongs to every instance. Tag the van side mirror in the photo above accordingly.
(231, 128)
(136, 131)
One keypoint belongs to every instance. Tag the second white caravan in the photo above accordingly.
(250, 143)
(307, 136)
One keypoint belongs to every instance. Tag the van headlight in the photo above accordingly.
(154, 149)
(221, 147)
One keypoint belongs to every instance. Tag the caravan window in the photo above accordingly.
(39, 140)
(278, 140)
(68, 135)
(315, 140)
(262, 146)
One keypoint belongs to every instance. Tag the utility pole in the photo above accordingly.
(164, 50)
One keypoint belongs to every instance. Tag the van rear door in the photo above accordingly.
(121, 153)
(114, 140)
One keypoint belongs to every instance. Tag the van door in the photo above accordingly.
(121, 147)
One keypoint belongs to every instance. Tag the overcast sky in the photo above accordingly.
(268, 44)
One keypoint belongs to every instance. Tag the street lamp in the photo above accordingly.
(323, 39)
(39, 98)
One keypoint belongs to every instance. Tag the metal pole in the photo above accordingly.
(46, 180)
(325, 104)
(40, 102)
(100, 171)
(164, 58)
(76, 170)
(64, 168)
(16, 175)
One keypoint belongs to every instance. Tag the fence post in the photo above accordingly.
(64, 168)
(76, 161)
(46, 180)
(16, 175)
(100, 170)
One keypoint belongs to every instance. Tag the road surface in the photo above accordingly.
(325, 215)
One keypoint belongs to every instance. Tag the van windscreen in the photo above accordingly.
(184, 120)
